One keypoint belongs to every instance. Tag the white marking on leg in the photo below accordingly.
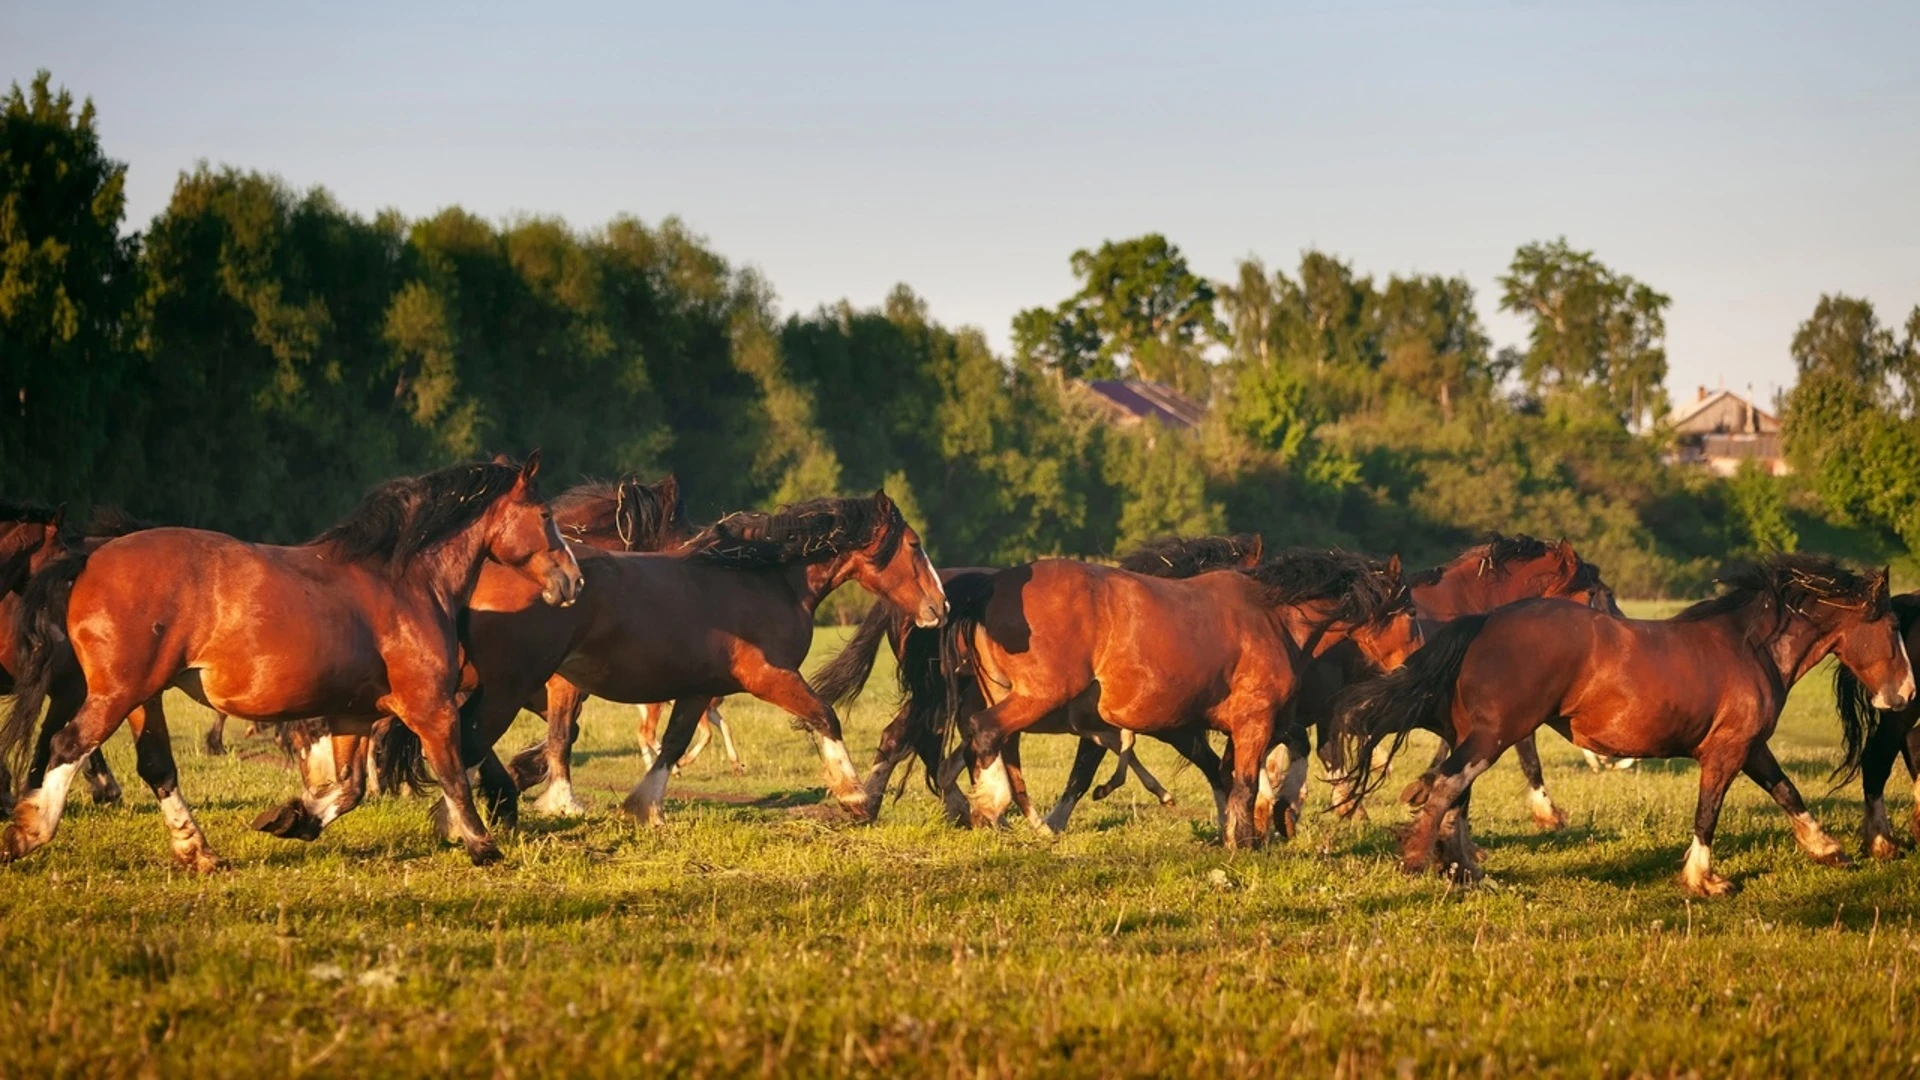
(1697, 872)
(558, 800)
(40, 811)
(992, 793)
(317, 765)
(644, 802)
(189, 844)
(842, 778)
(726, 734)
(1812, 838)
(1545, 814)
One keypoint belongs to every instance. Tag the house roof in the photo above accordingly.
(1678, 418)
(1142, 399)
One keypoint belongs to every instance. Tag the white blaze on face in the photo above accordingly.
(939, 589)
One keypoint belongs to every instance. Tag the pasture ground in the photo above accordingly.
(754, 934)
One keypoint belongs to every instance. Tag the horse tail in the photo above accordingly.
(841, 680)
(398, 758)
(941, 680)
(1416, 695)
(41, 632)
(1858, 718)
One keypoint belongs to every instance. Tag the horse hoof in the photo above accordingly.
(568, 807)
(1835, 858)
(739, 769)
(1550, 822)
(646, 813)
(1167, 800)
(198, 859)
(289, 822)
(107, 794)
(1709, 886)
(216, 746)
(484, 853)
(1464, 873)
(1882, 847)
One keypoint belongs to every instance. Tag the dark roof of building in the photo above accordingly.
(1142, 399)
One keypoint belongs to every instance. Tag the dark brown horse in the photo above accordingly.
(924, 686)
(731, 612)
(1707, 684)
(357, 624)
(1175, 658)
(1497, 571)
(624, 515)
(1892, 734)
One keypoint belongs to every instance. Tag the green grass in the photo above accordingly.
(752, 935)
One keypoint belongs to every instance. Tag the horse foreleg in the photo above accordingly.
(1539, 804)
(644, 800)
(785, 689)
(564, 701)
(649, 731)
(1249, 737)
(1123, 754)
(1717, 771)
(897, 744)
(154, 761)
(1883, 746)
(438, 726)
(1017, 783)
(217, 734)
(1086, 762)
(718, 721)
(702, 738)
(1282, 786)
(1762, 769)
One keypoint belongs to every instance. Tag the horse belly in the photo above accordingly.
(278, 688)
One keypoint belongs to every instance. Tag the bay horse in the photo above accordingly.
(1707, 684)
(359, 623)
(924, 686)
(1176, 658)
(730, 612)
(1891, 734)
(1498, 570)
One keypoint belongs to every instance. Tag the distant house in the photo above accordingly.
(1719, 429)
(1134, 401)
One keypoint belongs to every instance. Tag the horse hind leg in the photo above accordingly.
(718, 721)
(1546, 816)
(1438, 818)
(318, 806)
(1762, 769)
(1017, 782)
(216, 740)
(644, 801)
(36, 817)
(1086, 762)
(564, 702)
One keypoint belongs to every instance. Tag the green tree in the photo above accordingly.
(67, 284)
(1593, 329)
(1140, 308)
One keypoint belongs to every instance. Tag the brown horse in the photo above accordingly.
(1176, 658)
(357, 624)
(1497, 571)
(1891, 734)
(1708, 684)
(731, 612)
(624, 515)
(924, 685)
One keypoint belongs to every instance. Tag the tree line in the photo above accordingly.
(257, 356)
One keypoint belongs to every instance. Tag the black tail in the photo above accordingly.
(398, 758)
(1854, 702)
(941, 683)
(1419, 694)
(41, 633)
(841, 680)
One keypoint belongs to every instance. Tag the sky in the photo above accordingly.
(1741, 158)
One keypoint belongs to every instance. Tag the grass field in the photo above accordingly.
(752, 934)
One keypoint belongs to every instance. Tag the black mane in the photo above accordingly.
(643, 517)
(806, 532)
(111, 521)
(1359, 586)
(405, 517)
(1495, 552)
(1785, 585)
(25, 513)
(1174, 557)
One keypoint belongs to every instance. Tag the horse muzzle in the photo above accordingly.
(1896, 700)
(932, 614)
(563, 588)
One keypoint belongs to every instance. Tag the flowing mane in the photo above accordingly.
(643, 517)
(1174, 557)
(1359, 586)
(1786, 585)
(24, 513)
(807, 532)
(406, 517)
(1495, 553)
(111, 521)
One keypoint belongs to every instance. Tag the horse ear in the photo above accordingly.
(881, 502)
(1886, 582)
(502, 459)
(59, 517)
(1393, 567)
(1564, 550)
(1257, 551)
(531, 468)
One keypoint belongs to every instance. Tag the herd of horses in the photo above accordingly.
(398, 646)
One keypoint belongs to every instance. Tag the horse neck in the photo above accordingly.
(1463, 589)
(453, 567)
(1800, 646)
(1306, 626)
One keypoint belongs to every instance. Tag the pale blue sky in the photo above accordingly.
(1742, 158)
